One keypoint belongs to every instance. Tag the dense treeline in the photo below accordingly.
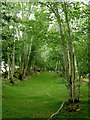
(46, 37)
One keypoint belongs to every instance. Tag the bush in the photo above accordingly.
(61, 80)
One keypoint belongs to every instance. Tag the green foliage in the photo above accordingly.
(43, 26)
(82, 57)
(61, 80)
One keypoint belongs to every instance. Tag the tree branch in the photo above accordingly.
(50, 7)
(57, 111)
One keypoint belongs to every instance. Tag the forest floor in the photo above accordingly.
(39, 97)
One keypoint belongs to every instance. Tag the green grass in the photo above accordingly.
(38, 97)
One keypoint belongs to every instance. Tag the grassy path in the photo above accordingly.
(38, 97)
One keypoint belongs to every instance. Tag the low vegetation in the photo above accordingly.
(41, 96)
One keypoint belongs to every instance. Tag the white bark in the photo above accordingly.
(8, 67)
(13, 61)
(64, 54)
(79, 87)
(28, 56)
(56, 66)
(57, 111)
(70, 48)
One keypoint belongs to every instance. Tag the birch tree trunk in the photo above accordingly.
(21, 62)
(59, 67)
(79, 87)
(74, 92)
(67, 72)
(13, 62)
(68, 77)
(71, 54)
(26, 53)
(21, 56)
(79, 78)
(56, 66)
(9, 72)
(9, 64)
(13, 54)
(78, 74)
(28, 58)
(64, 54)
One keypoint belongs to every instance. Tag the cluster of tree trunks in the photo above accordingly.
(37, 69)
(69, 57)
(23, 58)
(59, 69)
(11, 65)
(68, 50)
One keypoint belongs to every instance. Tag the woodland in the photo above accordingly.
(45, 60)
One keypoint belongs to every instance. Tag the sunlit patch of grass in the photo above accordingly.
(38, 97)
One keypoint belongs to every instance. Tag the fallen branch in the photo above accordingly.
(57, 111)
(48, 94)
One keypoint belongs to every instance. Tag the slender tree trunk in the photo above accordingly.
(67, 72)
(69, 61)
(88, 45)
(13, 62)
(78, 74)
(21, 56)
(56, 66)
(13, 55)
(21, 67)
(64, 55)
(9, 67)
(71, 54)
(21, 59)
(45, 68)
(79, 86)
(28, 57)
(79, 78)
(26, 54)
(89, 79)
(59, 67)
(74, 75)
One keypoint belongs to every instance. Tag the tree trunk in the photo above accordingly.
(9, 72)
(89, 79)
(67, 72)
(74, 75)
(79, 87)
(13, 62)
(59, 67)
(21, 67)
(71, 54)
(28, 58)
(56, 66)
(64, 56)
(68, 77)
(13, 55)
(79, 78)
